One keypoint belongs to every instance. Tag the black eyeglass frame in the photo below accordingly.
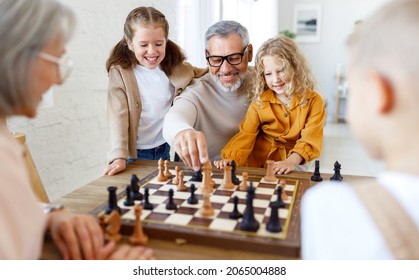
(226, 58)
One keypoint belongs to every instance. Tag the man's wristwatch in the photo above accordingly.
(48, 208)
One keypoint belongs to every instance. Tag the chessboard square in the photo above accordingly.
(150, 191)
(218, 181)
(154, 186)
(224, 192)
(260, 203)
(228, 207)
(186, 210)
(239, 194)
(199, 215)
(161, 208)
(223, 225)
(263, 196)
(200, 222)
(158, 199)
(168, 187)
(290, 188)
(230, 189)
(160, 217)
(265, 185)
(198, 205)
(200, 191)
(219, 198)
(189, 183)
(282, 212)
(178, 219)
(181, 195)
(267, 191)
(130, 215)
(259, 218)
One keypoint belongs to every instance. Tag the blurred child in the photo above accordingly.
(284, 123)
(146, 71)
(378, 219)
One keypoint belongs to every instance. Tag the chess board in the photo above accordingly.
(186, 225)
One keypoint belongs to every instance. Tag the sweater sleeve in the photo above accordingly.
(309, 145)
(180, 117)
(117, 109)
(241, 145)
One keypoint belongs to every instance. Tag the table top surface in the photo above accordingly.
(86, 198)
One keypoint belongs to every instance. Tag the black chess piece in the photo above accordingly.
(279, 202)
(235, 214)
(135, 189)
(249, 222)
(112, 201)
(128, 200)
(197, 176)
(146, 203)
(192, 199)
(316, 177)
(234, 179)
(171, 204)
(274, 224)
(336, 176)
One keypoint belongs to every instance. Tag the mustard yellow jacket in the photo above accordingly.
(270, 131)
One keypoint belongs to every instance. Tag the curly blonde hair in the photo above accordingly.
(298, 75)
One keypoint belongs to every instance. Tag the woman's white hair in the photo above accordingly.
(26, 26)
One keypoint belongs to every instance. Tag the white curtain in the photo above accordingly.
(194, 18)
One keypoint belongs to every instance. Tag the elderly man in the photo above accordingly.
(208, 113)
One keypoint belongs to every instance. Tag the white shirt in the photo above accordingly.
(335, 224)
(22, 220)
(156, 93)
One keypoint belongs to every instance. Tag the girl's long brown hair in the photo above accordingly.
(144, 16)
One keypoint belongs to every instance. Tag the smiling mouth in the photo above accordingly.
(151, 59)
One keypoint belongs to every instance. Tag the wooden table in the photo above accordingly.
(94, 194)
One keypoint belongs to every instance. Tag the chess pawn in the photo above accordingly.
(283, 184)
(270, 176)
(207, 209)
(243, 184)
(166, 168)
(138, 237)
(336, 176)
(227, 183)
(175, 180)
(161, 177)
(181, 184)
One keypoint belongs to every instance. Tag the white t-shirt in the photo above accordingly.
(156, 94)
(335, 224)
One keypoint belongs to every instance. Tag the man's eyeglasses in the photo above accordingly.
(65, 63)
(232, 59)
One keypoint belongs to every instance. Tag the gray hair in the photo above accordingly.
(225, 28)
(26, 26)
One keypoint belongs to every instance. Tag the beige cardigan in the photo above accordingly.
(124, 106)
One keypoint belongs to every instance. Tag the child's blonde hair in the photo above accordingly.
(297, 72)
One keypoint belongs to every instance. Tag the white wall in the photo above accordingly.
(69, 141)
(338, 18)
